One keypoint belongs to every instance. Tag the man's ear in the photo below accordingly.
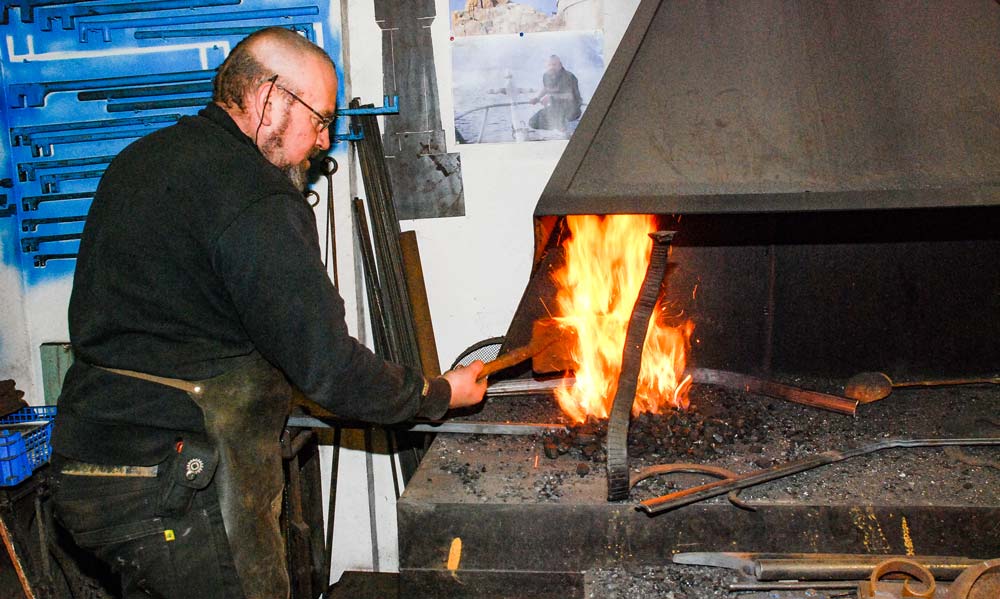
(262, 101)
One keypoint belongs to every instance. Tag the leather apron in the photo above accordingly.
(245, 411)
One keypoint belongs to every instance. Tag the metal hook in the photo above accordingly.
(312, 193)
(330, 166)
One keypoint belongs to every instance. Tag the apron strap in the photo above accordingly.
(192, 388)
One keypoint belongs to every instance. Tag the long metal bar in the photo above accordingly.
(385, 234)
(767, 567)
(853, 567)
(330, 167)
(331, 513)
(372, 511)
(444, 426)
(528, 386)
(714, 489)
(376, 311)
(792, 586)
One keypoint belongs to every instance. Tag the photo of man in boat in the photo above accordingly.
(560, 96)
(512, 88)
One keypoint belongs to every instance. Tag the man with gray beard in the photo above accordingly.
(199, 301)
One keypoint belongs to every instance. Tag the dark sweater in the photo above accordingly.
(197, 251)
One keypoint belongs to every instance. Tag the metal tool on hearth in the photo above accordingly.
(867, 387)
(771, 567)
(684, 497)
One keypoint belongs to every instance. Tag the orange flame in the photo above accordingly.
(606, 260)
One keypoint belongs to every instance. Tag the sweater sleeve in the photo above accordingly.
(269, 260)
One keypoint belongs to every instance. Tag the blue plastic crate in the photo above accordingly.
(21, 454)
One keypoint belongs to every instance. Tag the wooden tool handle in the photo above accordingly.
(515, 356)
(752, 384)
(544, 334)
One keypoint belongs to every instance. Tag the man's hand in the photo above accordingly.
(465, 391)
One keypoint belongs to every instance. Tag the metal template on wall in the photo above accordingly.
(426, 178)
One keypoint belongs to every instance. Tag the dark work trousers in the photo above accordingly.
(183, 556)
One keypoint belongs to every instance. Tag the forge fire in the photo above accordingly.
(606, 259)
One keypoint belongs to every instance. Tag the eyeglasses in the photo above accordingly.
(323, 121)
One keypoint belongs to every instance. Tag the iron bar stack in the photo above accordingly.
(388, 282)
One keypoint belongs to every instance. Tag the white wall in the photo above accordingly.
(15, 356)
(475, 266)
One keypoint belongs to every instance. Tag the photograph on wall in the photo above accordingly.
(514, 88)
(493, 17)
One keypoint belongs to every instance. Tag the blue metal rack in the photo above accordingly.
(83, 79)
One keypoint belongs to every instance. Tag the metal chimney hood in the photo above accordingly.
(750, 106)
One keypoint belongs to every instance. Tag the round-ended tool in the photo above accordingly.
(867, 387)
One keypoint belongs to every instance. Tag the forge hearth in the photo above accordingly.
(831, 173)
(537, 524)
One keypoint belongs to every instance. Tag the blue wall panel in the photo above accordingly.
(81, 80)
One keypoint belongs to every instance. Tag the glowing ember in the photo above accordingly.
(606, 260)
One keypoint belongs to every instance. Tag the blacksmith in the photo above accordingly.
(199, 300)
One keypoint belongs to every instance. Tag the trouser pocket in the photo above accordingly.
(184, 473)
(167, 557)
(139, 553)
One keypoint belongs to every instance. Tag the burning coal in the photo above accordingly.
(606, 260)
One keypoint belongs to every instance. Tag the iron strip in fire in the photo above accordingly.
(442, 426)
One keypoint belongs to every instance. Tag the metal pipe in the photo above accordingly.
(852, 567)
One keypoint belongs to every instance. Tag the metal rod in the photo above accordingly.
(329, 168)
(378, 324)
(385, 233)
(488, 428)
(390, 439)
(695, 494)
(372, 516)
(792, 586)
(331, 511)
(443, 426)
(853, 567)
(767, 567)
(528, 386)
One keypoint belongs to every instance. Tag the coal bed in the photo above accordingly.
(531, 511)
